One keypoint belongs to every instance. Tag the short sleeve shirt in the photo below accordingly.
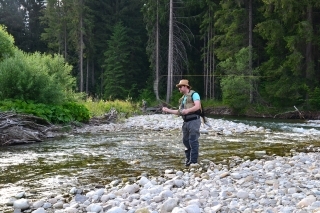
(195, 97)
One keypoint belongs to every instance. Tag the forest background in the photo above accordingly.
(241, 53)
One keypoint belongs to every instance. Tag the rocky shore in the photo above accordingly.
(274, 184)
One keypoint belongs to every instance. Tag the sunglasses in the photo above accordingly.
(180, 86)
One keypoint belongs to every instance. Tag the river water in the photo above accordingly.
(54, 166)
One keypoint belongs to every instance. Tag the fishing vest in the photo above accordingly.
(189, 102)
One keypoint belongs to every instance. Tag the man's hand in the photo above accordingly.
(165, 109)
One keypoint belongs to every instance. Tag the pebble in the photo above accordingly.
(200, 190)
(275, 185)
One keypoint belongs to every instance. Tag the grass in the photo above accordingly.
(101, 107)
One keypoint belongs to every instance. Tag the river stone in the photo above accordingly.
(39, 210)
(73, 190)
(58, 205)
(20, 195)
(10, 201)
(21, 204)
(192, 209)
(306, 201)
(80, 198)
(169, 205)
(224, 174)
(115, 210)
(131, 189)
(38, 204)
(71, 210)
(166, 193)
(242, 194)
(143, 180)
(94, 208)
(47, 205)
(178, 183)
(142, 210)
(178, 210)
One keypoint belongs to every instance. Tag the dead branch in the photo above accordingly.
(20, 128)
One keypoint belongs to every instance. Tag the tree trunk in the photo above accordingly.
(81, 50)
(170, 54)
(309, 60)
(87, 77)
(250, 51)
(156, 83)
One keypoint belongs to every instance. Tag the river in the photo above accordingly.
(54, 166)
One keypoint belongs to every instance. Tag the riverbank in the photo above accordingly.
(270, 184)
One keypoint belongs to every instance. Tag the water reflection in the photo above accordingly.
(44, 168)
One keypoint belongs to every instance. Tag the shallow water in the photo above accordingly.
(54, 166)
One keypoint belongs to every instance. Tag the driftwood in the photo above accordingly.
(290, 114)
(20, 128)
(107, 118)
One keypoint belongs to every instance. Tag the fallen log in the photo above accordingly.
(21, 128)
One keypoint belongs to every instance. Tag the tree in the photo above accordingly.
(117, 64)
(236, 86)
(33, 28)
(207, 34)
(6, 44)
(289, 31)
(12, 16)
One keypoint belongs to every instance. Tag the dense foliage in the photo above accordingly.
(63, 113)
(243, 53)
(36, 77)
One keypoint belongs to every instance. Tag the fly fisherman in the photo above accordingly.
(189, 110)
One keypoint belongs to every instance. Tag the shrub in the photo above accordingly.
(36, 77)
(57, 114)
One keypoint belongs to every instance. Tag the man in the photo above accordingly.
(189, 110)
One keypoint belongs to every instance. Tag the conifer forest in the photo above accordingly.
(239, 52)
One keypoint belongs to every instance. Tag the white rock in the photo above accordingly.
(115, 210)
(38, 204)
(130, 189)
(169, 205)
(94, 208)
(178, 210)
(143, 180)
(192, 209)
(306, 201)
(39, 210)
(21, 204)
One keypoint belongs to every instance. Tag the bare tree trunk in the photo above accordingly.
(250, 51)
(170, 55)
(65, 43)
(81, 50)
(156, 83)
(87, 77)
(212, 73)
(309, 61)
(92, 75)
(205, 68)
(209, 62)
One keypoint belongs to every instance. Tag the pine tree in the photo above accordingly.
(116, 64)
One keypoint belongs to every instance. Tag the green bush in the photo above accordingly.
(235, 93)
(36, 77)
(314, 99)
(58, 114)
(6, 44)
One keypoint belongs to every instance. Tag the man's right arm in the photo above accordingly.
(171, 111)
